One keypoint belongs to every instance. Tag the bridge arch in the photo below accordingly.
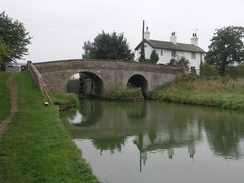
(91, 83)
(138, 80)
(97, 85)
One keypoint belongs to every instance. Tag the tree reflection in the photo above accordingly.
(134, 110)
(111, 144)
(225, 134)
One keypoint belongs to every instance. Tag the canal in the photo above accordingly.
(142, 142)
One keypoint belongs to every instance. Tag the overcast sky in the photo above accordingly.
(60, 27)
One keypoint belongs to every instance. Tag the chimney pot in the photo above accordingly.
(194, 39)
(173, 38)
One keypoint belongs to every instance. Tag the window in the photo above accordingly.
(173, 53)
(162, 52)
(193, 55)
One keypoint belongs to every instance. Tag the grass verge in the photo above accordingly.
(223, 93)
(37, 148)
(5, 105)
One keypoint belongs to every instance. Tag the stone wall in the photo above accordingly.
(36, 76)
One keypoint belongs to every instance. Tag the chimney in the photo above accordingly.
(173, 38)
(147, 34)
(194, 39)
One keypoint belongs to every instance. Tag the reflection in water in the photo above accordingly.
(157, 127)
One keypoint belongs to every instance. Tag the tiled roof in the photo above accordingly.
(171, 46)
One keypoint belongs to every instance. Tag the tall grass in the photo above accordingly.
(224, 93)
(130, 94)
(65, 100)
(5, 105)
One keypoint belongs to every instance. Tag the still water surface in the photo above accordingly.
(155, 142)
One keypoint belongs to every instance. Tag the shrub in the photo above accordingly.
(181, 62)
(240, 70)
(208, 70)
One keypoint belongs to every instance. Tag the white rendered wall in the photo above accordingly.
(166, 56)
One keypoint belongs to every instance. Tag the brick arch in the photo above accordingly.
(138, 80)
(98, 82)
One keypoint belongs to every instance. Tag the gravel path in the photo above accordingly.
(14, 105)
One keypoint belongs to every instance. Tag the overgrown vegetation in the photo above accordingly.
(131, 94)
(5, 105)
(65, 100)
(36, 147)
(219, 92)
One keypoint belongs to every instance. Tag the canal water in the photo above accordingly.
(155, 142)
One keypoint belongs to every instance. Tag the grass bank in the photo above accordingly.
(223, 93)
(65, 100)
(37, 148)
(130, 94)
(5, 105)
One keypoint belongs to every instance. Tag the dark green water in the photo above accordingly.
(155, 142)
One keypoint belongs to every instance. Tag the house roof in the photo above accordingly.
(171, 46)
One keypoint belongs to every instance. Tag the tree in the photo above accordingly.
(5, 52)
(152, 60)
(181, 62)
(108, 46)
(154, 57)
(226, 48)
(142, 53)
(14, 36)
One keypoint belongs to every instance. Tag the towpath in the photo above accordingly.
(14, 105)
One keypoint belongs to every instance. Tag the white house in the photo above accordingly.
(167, 50)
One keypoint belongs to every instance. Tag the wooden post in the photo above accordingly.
(48, 96)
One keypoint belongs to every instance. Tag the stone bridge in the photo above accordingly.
(107, 75)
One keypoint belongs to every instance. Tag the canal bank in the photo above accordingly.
(36, 147)
(225, 93)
